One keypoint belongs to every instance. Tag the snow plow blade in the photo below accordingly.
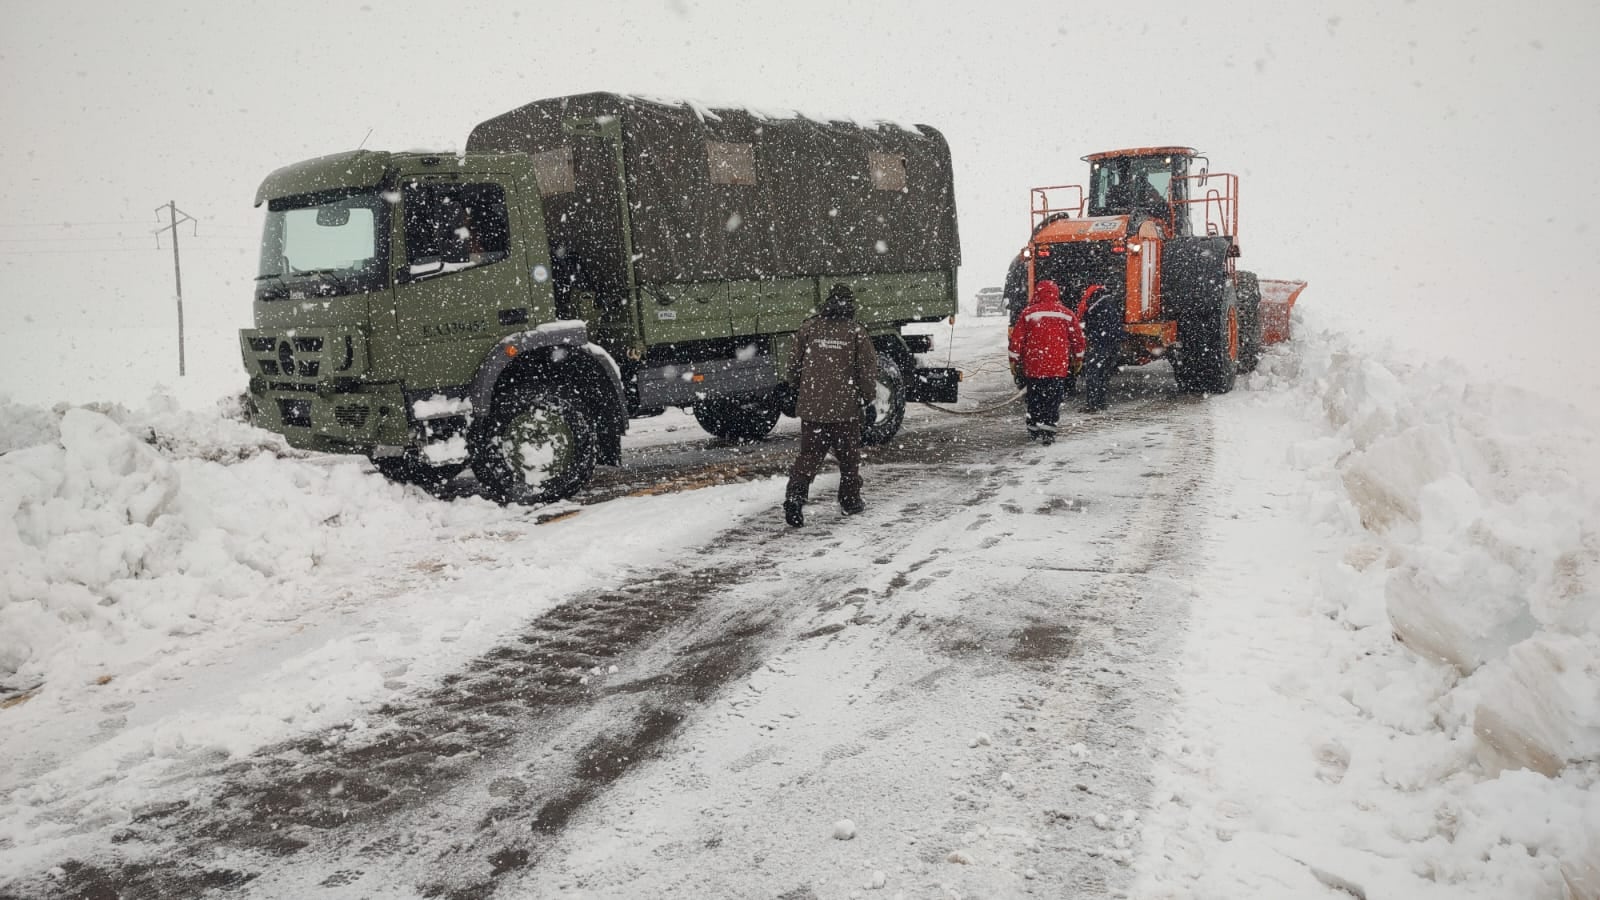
(1277, 301)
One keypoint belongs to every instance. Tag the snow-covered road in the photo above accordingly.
(969, 672)
(1153, 660)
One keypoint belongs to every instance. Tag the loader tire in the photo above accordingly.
(1209, 362)
(1249, 322)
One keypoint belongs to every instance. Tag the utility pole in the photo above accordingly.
(173, 212)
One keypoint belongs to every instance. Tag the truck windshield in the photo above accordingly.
(324, 245)
(1116, 188)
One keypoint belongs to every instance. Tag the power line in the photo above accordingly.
(92, 251)
(67, 224)
(76, 252)
(116, 237)
(88, 239)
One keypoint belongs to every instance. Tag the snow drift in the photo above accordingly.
(124, 532)
(1471, 511)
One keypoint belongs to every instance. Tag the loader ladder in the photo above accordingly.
(1219, 201)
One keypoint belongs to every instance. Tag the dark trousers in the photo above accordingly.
(816, 439)
(1044, 404)
(1098, 366)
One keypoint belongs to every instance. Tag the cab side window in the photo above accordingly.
(450, 227)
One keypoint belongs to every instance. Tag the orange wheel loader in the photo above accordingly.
(1156, 223)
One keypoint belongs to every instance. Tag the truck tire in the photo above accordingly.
(537, 446)
(742, 421)
(1209, 362)
(889, 409)
(412, 469)
(1249, 322)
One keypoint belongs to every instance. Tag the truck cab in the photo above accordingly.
(386, 287)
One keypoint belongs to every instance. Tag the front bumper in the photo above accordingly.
(311, 388)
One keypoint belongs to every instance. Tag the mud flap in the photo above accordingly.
(933, 386)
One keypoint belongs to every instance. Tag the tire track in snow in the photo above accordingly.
(1087, 670)
(314, 804)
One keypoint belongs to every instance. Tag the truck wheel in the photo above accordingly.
(1249, 322)
(742, 421)
(536, 447)
(412, 469)
(889, 407)
(1209, 362)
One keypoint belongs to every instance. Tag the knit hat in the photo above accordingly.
(841, 303)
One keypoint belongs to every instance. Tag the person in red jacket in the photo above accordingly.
(1047, 348)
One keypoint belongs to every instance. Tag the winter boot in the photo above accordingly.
(794, 501)
(853, 506)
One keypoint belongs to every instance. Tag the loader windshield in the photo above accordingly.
(323, 245)
(1121, 186)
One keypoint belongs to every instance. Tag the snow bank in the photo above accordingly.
(122, 531)
(1472, 512)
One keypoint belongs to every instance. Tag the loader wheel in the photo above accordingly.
(537, 446)
(741, 421)
(889, 407)
(1249, 322)
(1209, 362)
(412, 469)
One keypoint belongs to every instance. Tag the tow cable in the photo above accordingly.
(949, 354)
(980, 410)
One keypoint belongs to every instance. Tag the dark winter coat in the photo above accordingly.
(833, 370)
(1016, 290)
(1104, 315)
(1047, 337)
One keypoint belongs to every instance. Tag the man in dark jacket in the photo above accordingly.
(1015, 291)
(1046, 348)
(833, 373)
(1103, 319)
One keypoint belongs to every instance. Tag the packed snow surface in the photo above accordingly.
(1390, 685)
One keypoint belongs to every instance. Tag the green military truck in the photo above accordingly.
(587, 260)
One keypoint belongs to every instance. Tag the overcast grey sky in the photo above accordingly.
(1426, 165)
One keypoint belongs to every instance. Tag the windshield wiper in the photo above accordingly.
(332, 277)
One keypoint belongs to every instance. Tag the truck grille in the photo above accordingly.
(305, 358)
(351, 416)
(301, 368)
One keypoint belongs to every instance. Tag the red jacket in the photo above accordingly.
(1047, 336)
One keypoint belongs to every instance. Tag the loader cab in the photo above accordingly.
(1146, 183)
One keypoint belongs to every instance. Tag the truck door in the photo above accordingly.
(459, 286)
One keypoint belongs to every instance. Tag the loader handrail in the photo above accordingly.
(1221, 205)
(1039, 202)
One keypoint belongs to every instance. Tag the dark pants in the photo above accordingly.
(1044, 404)
(816, 439)
(1101, 362)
